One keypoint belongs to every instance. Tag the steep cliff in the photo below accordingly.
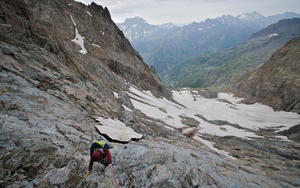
(277, 82)
(84, 39)
(62, 64)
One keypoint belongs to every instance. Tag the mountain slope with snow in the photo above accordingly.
(68, 76)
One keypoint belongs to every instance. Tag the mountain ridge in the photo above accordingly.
(222, 69)
(165, 49)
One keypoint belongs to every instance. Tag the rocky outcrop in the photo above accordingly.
(293, 133)
(52, 90)
(277, 82)
(51, 26)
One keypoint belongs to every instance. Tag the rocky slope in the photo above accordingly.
(52, 27)
(55, 84)
(276, 83)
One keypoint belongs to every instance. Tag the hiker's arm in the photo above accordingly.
(91, 165)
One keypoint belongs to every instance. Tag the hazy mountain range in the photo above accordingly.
(165, 47)
(223, 68)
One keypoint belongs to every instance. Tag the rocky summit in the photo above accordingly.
(68, 76)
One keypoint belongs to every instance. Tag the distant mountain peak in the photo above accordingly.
(167, 25)
(250, 16)
(135, 19)
(137, 29)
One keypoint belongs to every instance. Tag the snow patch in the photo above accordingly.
(211, 146)
(244, 17)
(126, 108)
(78, 39)
(89, 13)
(96, 45)
(73, 20)
(283, 138)
(123, 27)
(136, 35)
(146, 33)
(117, 130)
(116, 95)
(159, 108)
(273, 35)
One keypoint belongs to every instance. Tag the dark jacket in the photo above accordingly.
(99, 147)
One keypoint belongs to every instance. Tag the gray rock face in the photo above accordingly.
(293, 133)
(276, 83)
(152, 164)
(51, 95)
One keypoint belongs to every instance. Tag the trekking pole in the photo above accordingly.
(114, 176)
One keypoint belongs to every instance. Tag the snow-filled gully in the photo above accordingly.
(78, 38)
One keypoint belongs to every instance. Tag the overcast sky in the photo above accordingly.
(187, 11)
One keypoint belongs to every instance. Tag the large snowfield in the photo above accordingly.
(239, 118)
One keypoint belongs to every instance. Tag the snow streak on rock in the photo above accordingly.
(273, 35)
(79, 39)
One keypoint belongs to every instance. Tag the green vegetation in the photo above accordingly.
(8, 167)
(221, 68)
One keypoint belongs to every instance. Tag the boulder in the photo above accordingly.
(116, 130)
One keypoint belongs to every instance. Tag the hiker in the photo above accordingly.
(99, 153)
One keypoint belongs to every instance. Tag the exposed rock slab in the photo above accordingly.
(116, 130)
